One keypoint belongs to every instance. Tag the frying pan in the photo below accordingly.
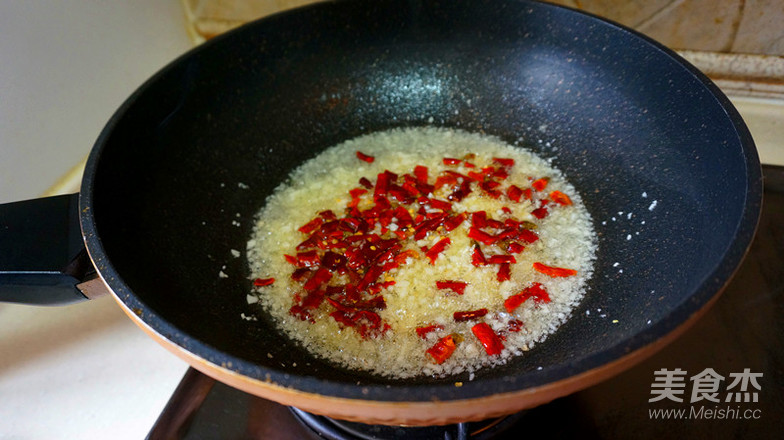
(664, 163)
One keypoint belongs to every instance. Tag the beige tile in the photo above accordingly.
(239, 10)
(761, 28)
(628, 12)
(707, 25)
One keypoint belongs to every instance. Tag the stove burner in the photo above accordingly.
(333, 429)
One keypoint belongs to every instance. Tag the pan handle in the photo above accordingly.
(43, 260)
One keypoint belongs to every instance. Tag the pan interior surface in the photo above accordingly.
(664, 164)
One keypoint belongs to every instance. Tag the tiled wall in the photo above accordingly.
(729, 26)
(736, 26)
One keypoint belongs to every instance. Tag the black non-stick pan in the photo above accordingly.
(663, 161)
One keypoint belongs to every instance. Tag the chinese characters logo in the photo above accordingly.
(671, 384)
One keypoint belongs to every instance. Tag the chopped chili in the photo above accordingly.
(261, 282)
(437, 248)
(364, 181)
(469, 315)
(478, 257)
(421, 174)
(452, 222)
(481, 236)
(364, 157)
(424, 331)
(536, 291)
(560, 198)
(504, 161)
(456, 286)
(443, 349)
(514, 325)
(539, 213)
(540, 184)
(504, 272)
(514, 248)
(502, 259)
(554, 272)
(311, 226)
(514, 193)
(488, 338)
(356, 251)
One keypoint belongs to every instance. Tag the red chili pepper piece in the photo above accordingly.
(476, 176)
(507, 234)
(398, 194)
(369, 324)
(342, 317)
(443, 349)
(403, 217)
(451, 161)
(502, 259)
(350, 224)
(291, 259)
(456, 286)
(504, 161)
(421, 230)
(382, 184)
(514, 325)
(469, 315)
(319, 278)
(514, 193)
(411, 189)
(437, 248)
(370, 277)
(261, 282)
(504, 272)
(300, 274)
(461, 193)
(452, 222)
(364, 157)
(500, 173)
(313, 299)
(309, 243)
(540, 184)
(328, 215)
(301, 309)
(423, 331)
(420, 172)
(440, 204)
(536, 291)
(560, 198)
(333, 261)
(477, 257)
(514, 248)
(539, 213)
(555, 272)
(355, 194)
(405, 255)
(445, 180)
(479, 219)
(364, 181)
(488, 187)
(527, 235)
(301, 313)
(307, 259)
(488, 338)
(481, 236)
(311, 226)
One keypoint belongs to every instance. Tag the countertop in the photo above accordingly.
(86, 371)
(83, 371)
